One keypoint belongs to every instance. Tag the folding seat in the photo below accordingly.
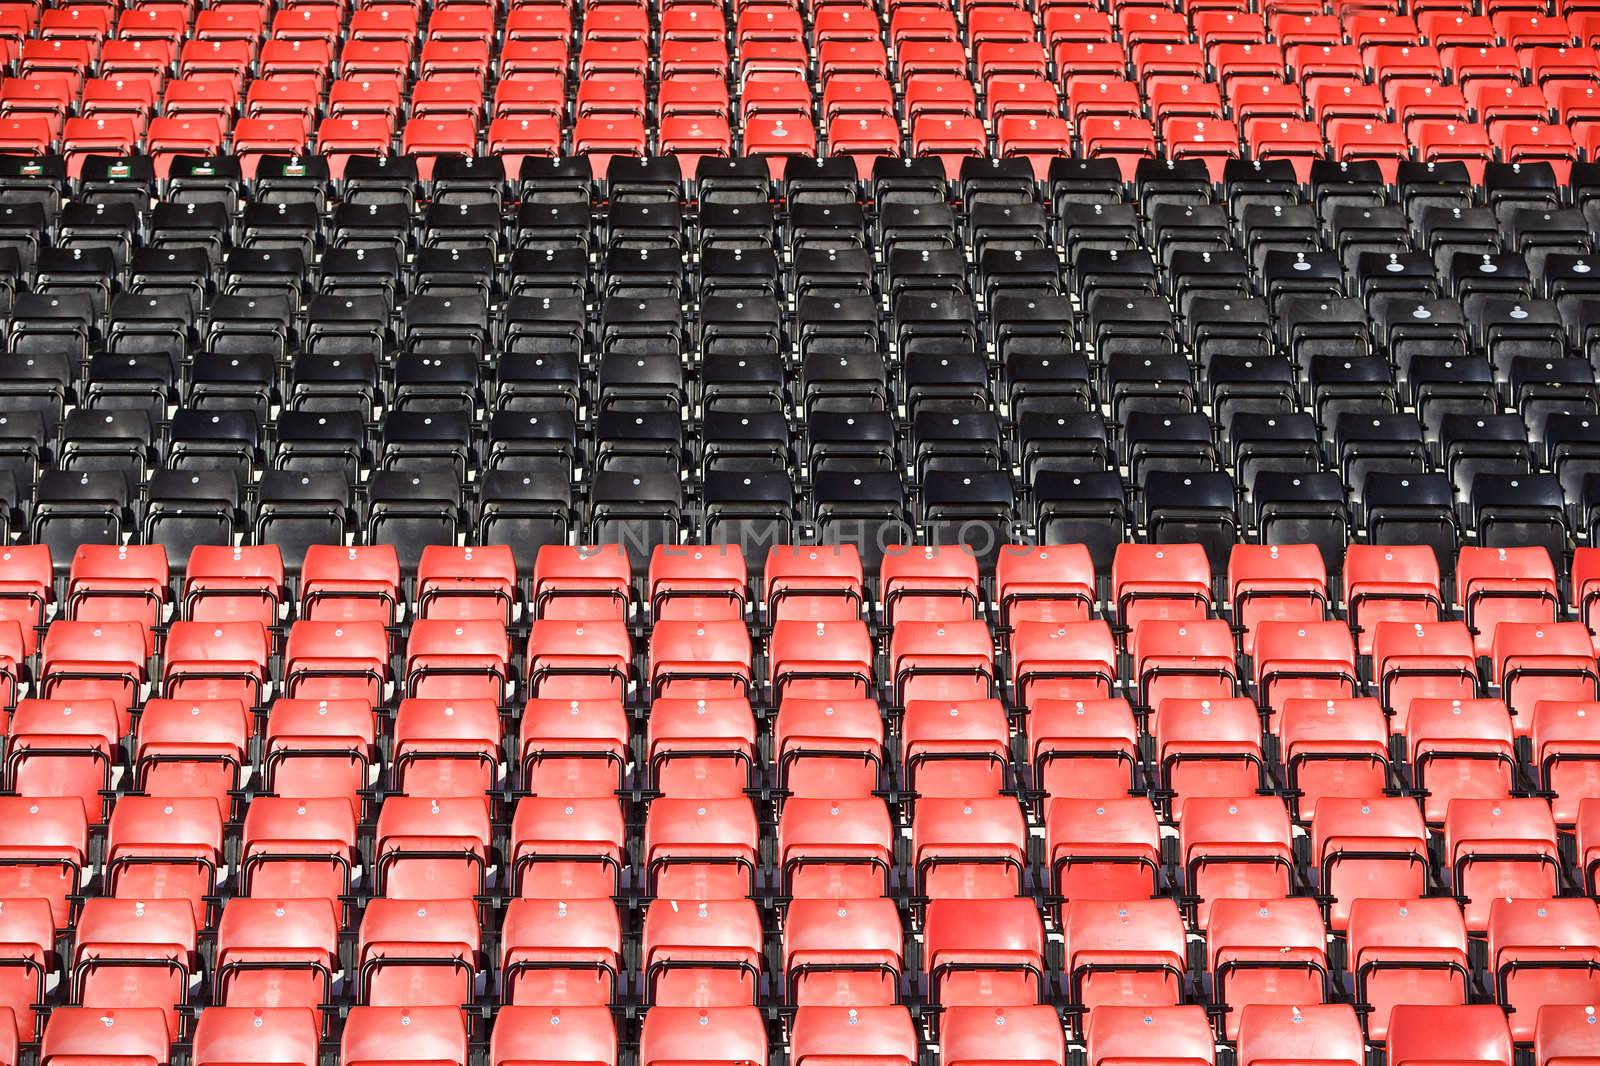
(217, 661)
(968, 848)
(1324, 1034)
(736, 1034)
(130, 954)
(276, 954)
(561, 952)
(118, 584)
(27, 958)
(127, 1036)
(1476, 1034)
(584, 583)
(286, 1036)
(447, 746)
(1312, 660)
(842, 952)
(43, 851)
(418, 953)
(1534, 661)
(1266, 953)
(1134, 1035)
(336, 660)
(702, 746)
(1407, 951)
(467, 583)
(1235, 849)
(192, 747)
(1207, 747)
(1500, 848)
(829, 748)
(1459, 749)
(319, 747)
(705, 659)
(165, 847)
(573, 747)
(1526, 142)
(880, 1035)
(1533, 947)
(820, 660)
(700, 849)
(1045, 584)
(1332, 749)
(955, 748)
(356, 583)
(1169, 581)
(27, 589)
(932, 584)
(462, 659)
(984, 952)
(1182, 659)
(704, 953)
(1123, 953)
(431, 849)
(67, 746)
(409, 1035)
(1065, 661)
(1390, 583)
(297, 848)
(1416, 661)
(1286, 583)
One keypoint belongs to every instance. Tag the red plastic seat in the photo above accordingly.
(581, 660)
(835, 848)
(165, 847)
(872, 1035)
(1543, 661)
(1566, 755)
(700, 658)
(44, 846)
(1032, 1034)
(701, 848)
(1103, 849)
(1235, 849)
(64, 748)
(123, 583)
(433, 1035)
(1266, 953)
(281, 1036)
(564, 952)
(955, 748)
(843, 952)
(217, 661)
(561, 1034)
(192, 748)
(1123, 953)
(984, 952)
(1067, 661)
(1160, 581)
(1495, 585)
(351, 583)
(574, 846)
(820, 660)
(1207, 747)
(822, 583)
(432, 848)
(336, 661)
(1415, 661)
(276, 953)
(573, 747)
(701, 747)
(1460, 748)
(339, 139)
(418, 953)
(1333, 748)
(27, 957)
(297, 848)
(134, 954)
(829, 748)
(467, 582)
(1526, 142)
(1271, 1033)
(27, 589)
(697, 582)
(1564, 1035)
(1127, 1036)
(1500, 848)
(1188, 659)
(1463, 1034)
(701, 953)
(1366, 847)
(581, 583)
(77, 1036)
(718, 1036)
(1542, 952)
(446, 746)
(1275, 583)
(1411, 951)
(459, 659)
(1585, 586)
(1083, 748)
(968, 848)
(320, 748)
(929, 584)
